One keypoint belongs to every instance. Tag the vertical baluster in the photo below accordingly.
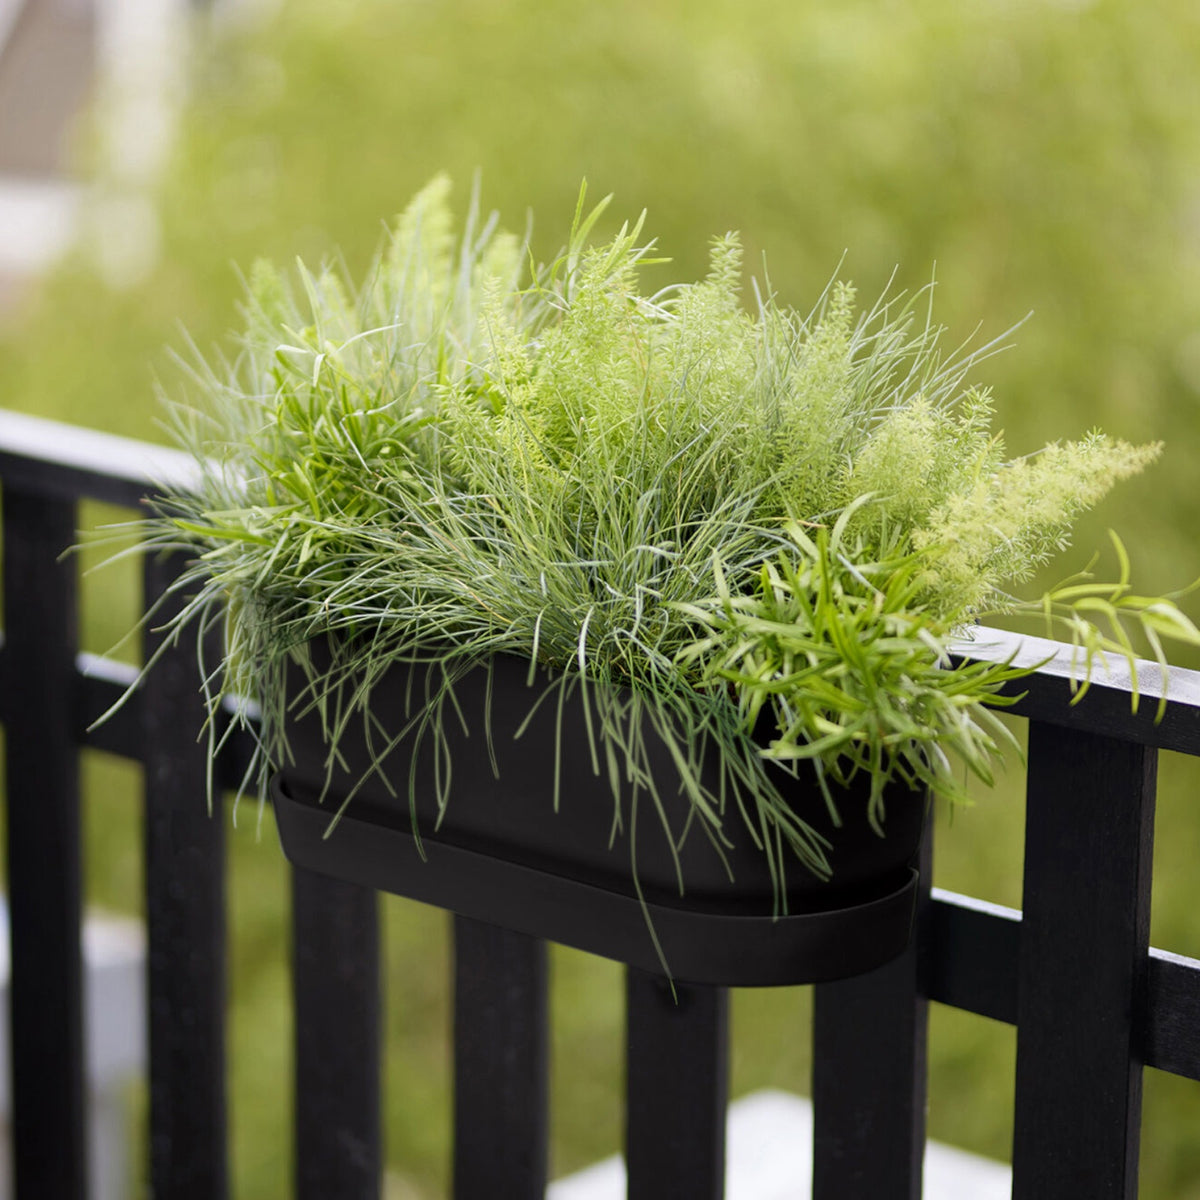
(1084, 941)
(185, 923)
(501, 1059)
(676, 1089)
(42, 772)
(869, 1073)
(337, 990)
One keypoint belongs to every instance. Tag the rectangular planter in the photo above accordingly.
(500, 851)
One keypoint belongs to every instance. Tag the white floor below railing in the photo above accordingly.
(769, 1157)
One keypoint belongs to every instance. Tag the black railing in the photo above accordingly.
(1074, 971)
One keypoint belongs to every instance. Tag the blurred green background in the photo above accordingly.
(1040, 155)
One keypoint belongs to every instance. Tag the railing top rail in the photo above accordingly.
(1052, 695)
(69, 462)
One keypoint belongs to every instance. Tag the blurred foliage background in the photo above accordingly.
(1038, 155)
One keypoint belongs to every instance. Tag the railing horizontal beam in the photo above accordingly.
(973, 955)
(49, 458)
(101, 684)
(973, 966)
(1172, 1036)
(1107, 708)
(67, 462)
(1105, 711)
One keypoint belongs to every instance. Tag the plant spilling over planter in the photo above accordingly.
(726, 547)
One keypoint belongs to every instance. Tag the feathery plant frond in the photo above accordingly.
(764, 526)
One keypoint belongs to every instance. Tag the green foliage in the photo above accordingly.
(849, 662)
(712, 508)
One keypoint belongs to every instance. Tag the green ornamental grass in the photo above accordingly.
(768, 527)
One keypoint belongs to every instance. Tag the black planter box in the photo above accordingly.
(501, 853)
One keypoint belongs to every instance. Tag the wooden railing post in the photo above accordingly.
(1085, 926)
(501, 1062)
(185, 921)
(337, 999)
(676, 1088)
(869, 1072)
(44, 882)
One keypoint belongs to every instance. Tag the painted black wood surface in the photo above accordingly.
(1083, 965)
(869, 1073)
(676, 1088)
(44, 880)
(185, 922)
(501, 1062)
(337, 995)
